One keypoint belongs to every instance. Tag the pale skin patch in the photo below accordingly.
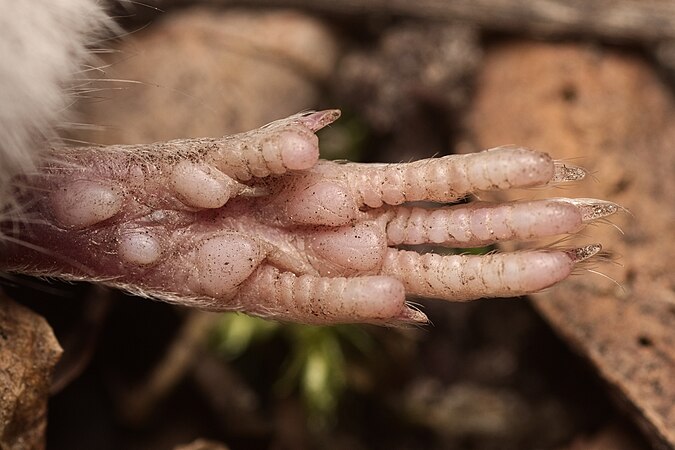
(257, 223)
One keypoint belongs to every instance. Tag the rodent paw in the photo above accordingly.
(255, 222)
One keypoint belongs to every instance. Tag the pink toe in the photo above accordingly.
(200, 186)
(298, 152)
(375, 297)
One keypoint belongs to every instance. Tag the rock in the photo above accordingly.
(208, 72)
(28, 353)
(414, 64)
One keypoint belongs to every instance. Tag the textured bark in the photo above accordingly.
(609, 112)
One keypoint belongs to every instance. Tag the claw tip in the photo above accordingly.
(585, 252)
(411, 316)
(567, 172)
(317, 120)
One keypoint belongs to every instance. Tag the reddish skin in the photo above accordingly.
(256, 223)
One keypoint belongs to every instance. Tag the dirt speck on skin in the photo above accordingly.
(609, 112)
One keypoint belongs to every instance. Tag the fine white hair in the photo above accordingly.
(43, 45)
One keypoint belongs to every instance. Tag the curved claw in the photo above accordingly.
(316, 120)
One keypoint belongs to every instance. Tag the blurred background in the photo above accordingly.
(587, 365)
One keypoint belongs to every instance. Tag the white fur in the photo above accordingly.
(43, 44)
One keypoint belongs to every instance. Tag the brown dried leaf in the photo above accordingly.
(609, 112)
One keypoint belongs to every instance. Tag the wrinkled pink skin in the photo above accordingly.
(256, 223)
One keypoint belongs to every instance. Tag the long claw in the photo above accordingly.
(567, 172)
(583, 253)
(592, 209)
(316, 120)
